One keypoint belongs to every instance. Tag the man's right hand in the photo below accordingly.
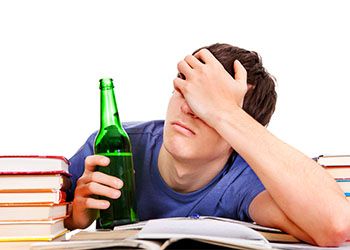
(90, 184)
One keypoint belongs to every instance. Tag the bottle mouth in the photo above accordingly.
(106, 83)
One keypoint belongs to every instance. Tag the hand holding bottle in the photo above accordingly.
(92, 183)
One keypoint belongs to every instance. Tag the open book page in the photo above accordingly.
(132, 226)
(203, 229)
(247, 224)
(104, 235)
(271, 234)
(97, 244)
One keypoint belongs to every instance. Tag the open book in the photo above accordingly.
(184, 232)
(178, 232)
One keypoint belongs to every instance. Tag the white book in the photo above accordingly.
(333, 160)
(31, 230)
(32, 211)
(34, 181)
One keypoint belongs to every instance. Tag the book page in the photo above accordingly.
(248, 224)
(104, 235)
(215, 230)
(97, 244)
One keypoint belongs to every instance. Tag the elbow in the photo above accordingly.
(335, 235)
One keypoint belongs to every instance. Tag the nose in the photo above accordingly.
(185, 108)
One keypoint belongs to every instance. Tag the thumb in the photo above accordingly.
(240, 72)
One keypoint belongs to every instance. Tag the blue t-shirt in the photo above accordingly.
(229, 194)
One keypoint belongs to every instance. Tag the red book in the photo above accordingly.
(33, 164)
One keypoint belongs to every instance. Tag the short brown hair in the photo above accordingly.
(260, 100)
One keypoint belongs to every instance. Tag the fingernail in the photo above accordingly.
(104, 161)
(105, 204)
(115, 194)
(119, 183)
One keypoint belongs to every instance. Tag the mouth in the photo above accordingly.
(182, 128)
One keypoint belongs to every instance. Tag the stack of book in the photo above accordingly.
(33, 197)
(338, 166)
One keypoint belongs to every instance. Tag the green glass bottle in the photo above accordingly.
(113, 142)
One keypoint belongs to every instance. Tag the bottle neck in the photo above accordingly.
(109, 110)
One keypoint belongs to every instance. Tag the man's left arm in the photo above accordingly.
(265, 211)
(308, 201)
(299, 187)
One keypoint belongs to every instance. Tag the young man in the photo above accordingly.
(213, 157)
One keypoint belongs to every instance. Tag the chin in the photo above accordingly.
(179, 148)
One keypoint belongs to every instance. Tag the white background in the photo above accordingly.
(52, 54)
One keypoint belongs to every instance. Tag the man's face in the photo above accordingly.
(188, 138)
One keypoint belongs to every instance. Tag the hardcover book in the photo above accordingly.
(338, 172)
(32, 196)
(24, 164)
(32, 211)
(35, 181)
(31, 230)
(333, 160)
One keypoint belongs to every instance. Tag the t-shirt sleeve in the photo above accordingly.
(77, 163)
(250, 187)
(244, 187)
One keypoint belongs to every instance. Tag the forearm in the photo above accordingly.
(264, 211)
(298, 185)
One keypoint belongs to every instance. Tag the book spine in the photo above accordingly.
(62, 197)
(66, 183)
(63, 172)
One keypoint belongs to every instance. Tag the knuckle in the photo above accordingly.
(91, 186)
(79, 201)
(94, 177)
(202, 51)
(85, 202)
(179, 64)
(89, 159)
(79, 182)
(188, 58)
(203, 70)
